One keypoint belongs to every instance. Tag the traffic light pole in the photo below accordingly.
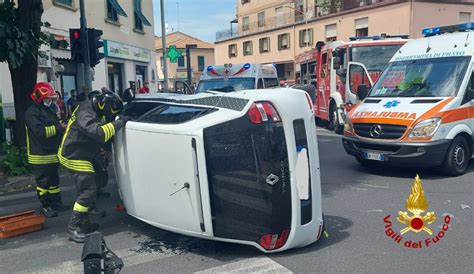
(85, 49)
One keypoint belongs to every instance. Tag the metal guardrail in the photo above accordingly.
(295, 16)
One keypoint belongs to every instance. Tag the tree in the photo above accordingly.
(20, 39)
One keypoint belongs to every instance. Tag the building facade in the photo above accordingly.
(201, 56)
(129, 48)
(276, 31)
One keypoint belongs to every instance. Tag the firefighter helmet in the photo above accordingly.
(107, 104)
(41, 91)
(93, 94)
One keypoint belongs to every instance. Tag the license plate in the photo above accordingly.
(373, 156)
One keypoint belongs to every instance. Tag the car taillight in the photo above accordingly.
(263, 112)
(274, 241)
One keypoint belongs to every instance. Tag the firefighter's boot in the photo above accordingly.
(79, 226)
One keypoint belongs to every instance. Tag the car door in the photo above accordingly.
(358, 82)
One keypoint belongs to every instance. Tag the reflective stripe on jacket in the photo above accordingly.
(43, 135)
(85, 134)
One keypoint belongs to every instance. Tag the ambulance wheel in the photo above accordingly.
(458, 157)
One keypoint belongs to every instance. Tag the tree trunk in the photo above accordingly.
(24, 78)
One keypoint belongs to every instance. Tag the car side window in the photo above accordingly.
(260, 83)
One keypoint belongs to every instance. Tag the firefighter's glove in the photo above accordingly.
(124, 119)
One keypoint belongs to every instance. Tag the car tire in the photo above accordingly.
(457, 157)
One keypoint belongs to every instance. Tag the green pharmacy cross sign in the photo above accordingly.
(174, 54)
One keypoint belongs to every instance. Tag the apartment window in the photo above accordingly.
(465, 17)
(299, 10)
(306, 38)
(114, 10)
(181, 62)
(140, 19)
(65, 3)
(201, 63)
(261, 19)
(331, 33)
(280, 16)
(245, 23)
(245, 2)
(232, 50)
(362, 27)
(264, 44)
(248, 48)
(283, 41)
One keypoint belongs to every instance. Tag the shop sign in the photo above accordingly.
(118, 50)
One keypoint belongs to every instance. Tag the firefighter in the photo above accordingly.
(43, 136)
(91, 126)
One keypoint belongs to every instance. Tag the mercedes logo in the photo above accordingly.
(376, 131)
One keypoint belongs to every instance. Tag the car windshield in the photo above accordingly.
(226, 85)
(375, 58)
(436, 77)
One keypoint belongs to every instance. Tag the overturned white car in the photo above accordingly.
(239, 167)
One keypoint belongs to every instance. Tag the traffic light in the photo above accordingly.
(95, 43)
(77, 45)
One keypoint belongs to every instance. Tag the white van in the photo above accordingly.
(420, 112)
(239, 167)
(229, 78)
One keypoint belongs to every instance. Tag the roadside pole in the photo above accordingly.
(85, 49)
(163, 40)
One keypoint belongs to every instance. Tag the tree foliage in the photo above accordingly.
(16, 43)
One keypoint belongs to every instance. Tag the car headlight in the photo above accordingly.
(425, 128)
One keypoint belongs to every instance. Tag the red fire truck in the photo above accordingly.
(326, 68)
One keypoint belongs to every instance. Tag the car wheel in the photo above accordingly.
(457, 157)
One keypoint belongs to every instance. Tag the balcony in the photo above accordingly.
(293, 16)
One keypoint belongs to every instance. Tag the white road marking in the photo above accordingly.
(463, 206)
(252, 265)
(375, 210)
(384, 187)
(128, 255)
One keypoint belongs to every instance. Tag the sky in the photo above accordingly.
(198, 18)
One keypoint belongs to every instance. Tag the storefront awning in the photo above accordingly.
(138, 12)
(118, 9)
(60, 54)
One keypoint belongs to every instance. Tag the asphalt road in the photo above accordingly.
(355, 201)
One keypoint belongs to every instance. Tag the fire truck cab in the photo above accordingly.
(333, 99)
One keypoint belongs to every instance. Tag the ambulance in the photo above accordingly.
(231, 77)
(420, 112)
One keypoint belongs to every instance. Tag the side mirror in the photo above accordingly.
(362, 91)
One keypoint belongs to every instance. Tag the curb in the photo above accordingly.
(19, 183)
